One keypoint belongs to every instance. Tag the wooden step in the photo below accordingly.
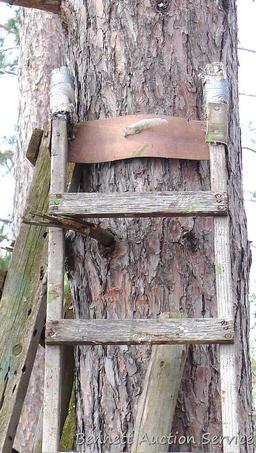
(137, 204)
(140, 331)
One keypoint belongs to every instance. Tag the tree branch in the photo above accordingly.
(8, 49)
(247, 50)
(3, 237)
(52, 6)
(7, 248)
(6, 221)
(249, 149)
(6, 72)
(243, 94)
(3, 27)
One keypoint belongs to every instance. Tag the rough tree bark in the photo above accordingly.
(40, 52)
(146, 57)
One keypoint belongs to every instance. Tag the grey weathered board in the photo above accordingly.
(22, 307)
(140, 331)
(157, 403)
(135, 204)
(55, 293)
(225, 299)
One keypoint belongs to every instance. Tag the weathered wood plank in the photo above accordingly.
(139, 331)
(103, 140)
(55, 295)
(52, 6)
(135, 204)
(216, 91)
(225, 299)
(158, 401)
(34, 146)
(22, 307)
(73, 177)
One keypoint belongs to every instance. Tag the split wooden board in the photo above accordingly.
(23, 306)
(104, 141)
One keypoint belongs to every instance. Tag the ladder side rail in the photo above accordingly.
(61, 105)
(55, 293)
(224, 291)
(216, 93)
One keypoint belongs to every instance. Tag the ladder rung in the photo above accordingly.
(139, 204)
(140, 331)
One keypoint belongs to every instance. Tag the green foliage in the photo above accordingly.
(6, 159)
(1, 230)
(6, 153)
(9, 43)
(4, 230)
(69, 429)
(12, 25)
(5, 259)
(2, 235)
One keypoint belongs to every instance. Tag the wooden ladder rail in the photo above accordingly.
(56, 258)
(216, 92)
(225, 299)
(55, 293)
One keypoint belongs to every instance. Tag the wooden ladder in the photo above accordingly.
(218, 330)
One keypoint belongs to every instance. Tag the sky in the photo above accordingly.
(247, 71)
(8, 121)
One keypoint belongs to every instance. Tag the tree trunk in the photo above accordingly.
(146, 57)
(40, 52)
(143, 57)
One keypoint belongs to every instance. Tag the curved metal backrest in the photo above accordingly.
(133, 136)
